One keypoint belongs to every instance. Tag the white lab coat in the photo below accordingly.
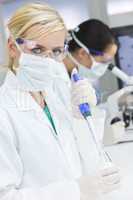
(35, 163)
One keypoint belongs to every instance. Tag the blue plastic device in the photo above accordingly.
(84, 108)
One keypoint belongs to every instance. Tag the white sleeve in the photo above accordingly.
(65, 190)
(11, 173)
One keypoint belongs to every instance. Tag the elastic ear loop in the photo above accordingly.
(83, 46)
(80, 43)
(20, 51)
(73, 59)
(18, 47)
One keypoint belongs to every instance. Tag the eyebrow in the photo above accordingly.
(43, 47)
(40, 46)
(58, 47)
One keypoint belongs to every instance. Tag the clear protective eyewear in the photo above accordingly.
(57, 53)
(106, 57)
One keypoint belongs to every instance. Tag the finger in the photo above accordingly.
(112, 179)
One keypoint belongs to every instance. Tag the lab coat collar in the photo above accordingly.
(16, 97)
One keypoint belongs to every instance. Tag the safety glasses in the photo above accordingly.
(57, 53)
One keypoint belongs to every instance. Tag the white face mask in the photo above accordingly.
(37, 73)
(93, 74)
(96, 71)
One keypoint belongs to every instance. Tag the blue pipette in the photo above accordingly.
(86, 112)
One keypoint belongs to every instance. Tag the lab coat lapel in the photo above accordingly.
(52, 103)
(29, 103)
(22, 100)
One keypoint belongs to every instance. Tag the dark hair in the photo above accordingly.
(94, 34)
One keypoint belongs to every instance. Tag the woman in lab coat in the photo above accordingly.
(39, 158)
(91, 48)
(38, 155)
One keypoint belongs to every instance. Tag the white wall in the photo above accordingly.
(3, 41)
(120, 12)
(73, 11)
(123, 19)
(3, 50)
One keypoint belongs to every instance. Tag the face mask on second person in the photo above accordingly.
(36, 73)
(95, 72)
(97, 69)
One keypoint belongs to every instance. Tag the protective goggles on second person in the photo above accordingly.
(106, 57)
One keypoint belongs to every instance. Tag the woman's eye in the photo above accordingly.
(57, 51)
(36, 51)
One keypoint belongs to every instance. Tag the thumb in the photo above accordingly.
(74, 75)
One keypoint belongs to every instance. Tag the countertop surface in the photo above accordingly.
(122, 156)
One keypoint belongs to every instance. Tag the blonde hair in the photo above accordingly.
(33, 14)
